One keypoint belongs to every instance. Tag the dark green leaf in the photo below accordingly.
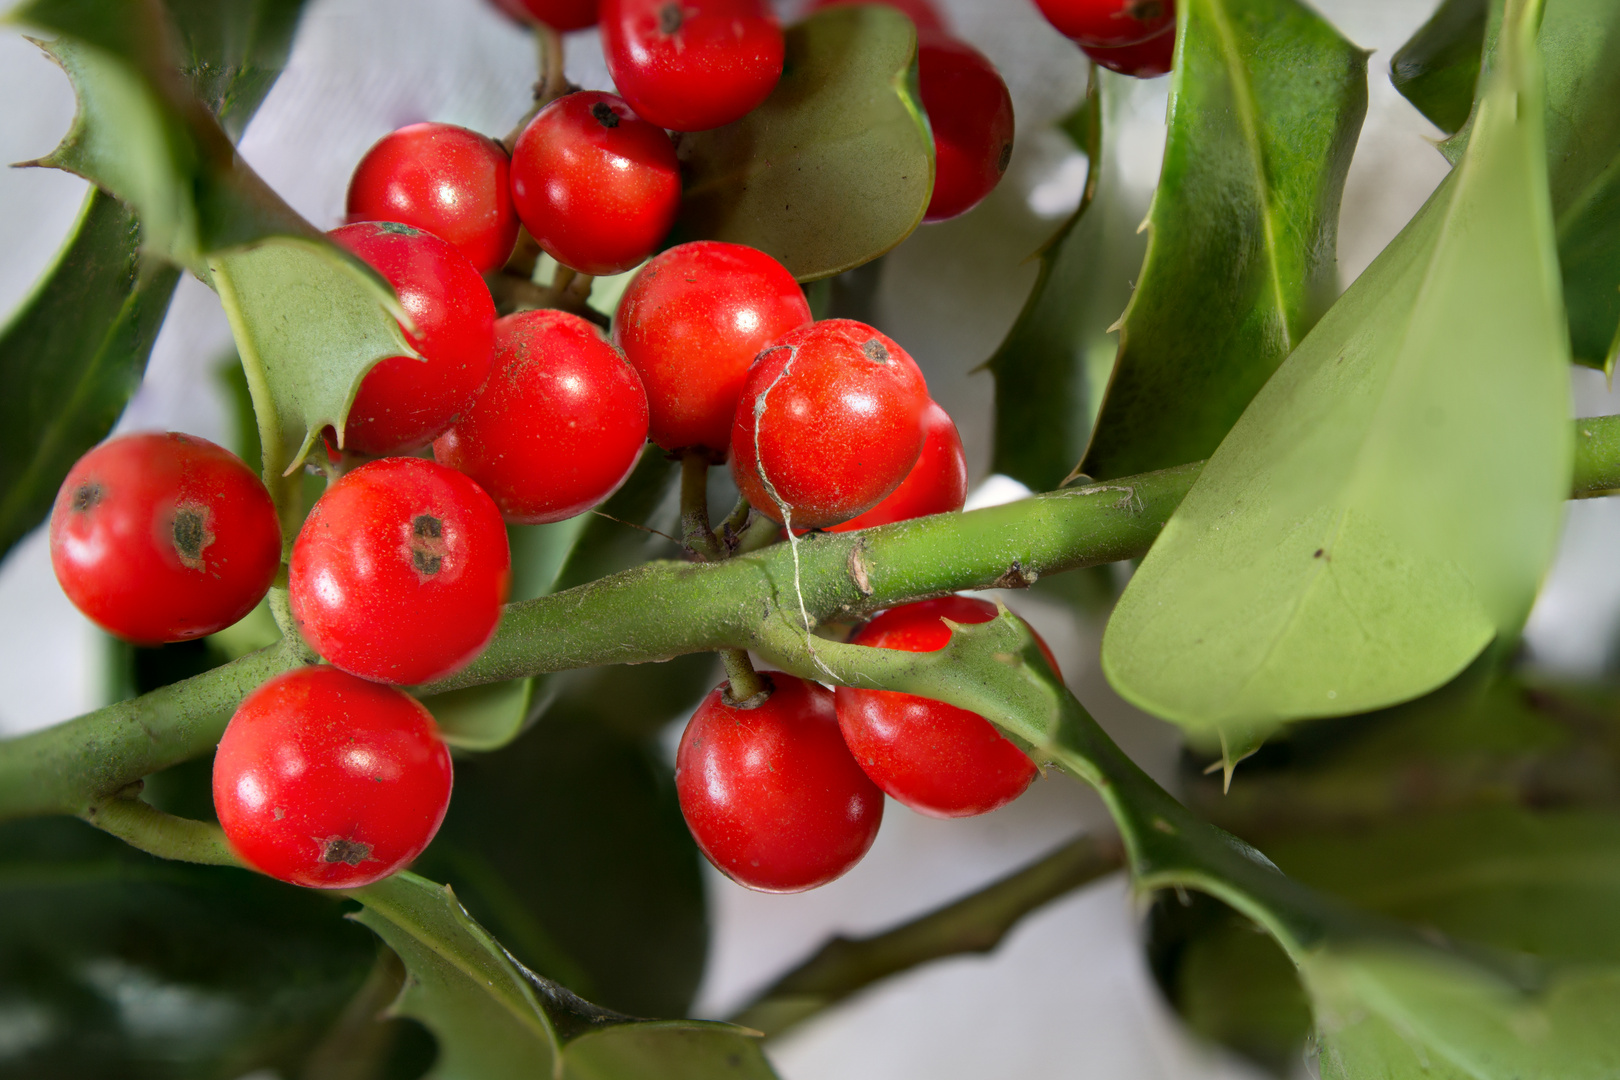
(837, 166)
(232, 50)
(1438, 68)
(1265, 106)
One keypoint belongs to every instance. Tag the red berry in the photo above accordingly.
(1145, 60)
(560, 425)
(445, 179)
(596, 185)
(971, 114)
(829, 422)
(163, 537)
(329, 781)
(937, 484)
(691, 322)
(400, 571)
(935, 758)
(922, 13)
(558, 14)
(691, 65)
(1109, 24)
(405, 403)
(771, 793)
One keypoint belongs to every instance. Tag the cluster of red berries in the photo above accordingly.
(1133, 37)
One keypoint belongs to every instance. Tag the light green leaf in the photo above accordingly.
(1438, 69)
(1266, 100)
(495, 1019)
(482, 717)
(1391, 500)
(837, 166)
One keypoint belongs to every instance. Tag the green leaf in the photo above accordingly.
(1055, 360)
(483, 717)
(232, 52)
(1438, 69)
(1266, 101)
(1400, 481)
(837, 166)
(496, 1019)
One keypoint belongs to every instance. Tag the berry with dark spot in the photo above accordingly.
(935, 758)
(562, 15)
(971, 114)
(771, 793)
(400, 571)
(328, 781)
(595, 184)
(829, 422)
(692, 65)
(1109, 24)
(560, 425)
(163, 537)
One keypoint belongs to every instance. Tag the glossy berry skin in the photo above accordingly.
(971, 114)
(163, 537)
(692, 65)
(329, 781)
(563, 15)
(400, 571)
(1145, 60)
(405, 403)
(560, 425)
(691, 322)
(771, 794)
(922, 13)
(935, 758)
(1109, 24)
(596, 185)
(831, 419)
(937, 484)
(442, 179)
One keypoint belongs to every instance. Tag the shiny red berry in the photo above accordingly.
(163, 537)
(405, 403)
(923, 14)
(1145, 60)
(937, 484)
(1108, 24)
(329, 781)
(971, 114)
(829, 422)
(558, 14)
(445, 180)
(771, 794)
(560, 425)
(692, 321)
(935, 758)
(400, 571)
(691, 65)
(596, 185)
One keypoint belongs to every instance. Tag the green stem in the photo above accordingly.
(144, 826)
(695, 530)
(744, 686)
(1597, 457)
(973, 924)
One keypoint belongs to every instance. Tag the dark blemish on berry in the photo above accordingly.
(1144, 10)
(876, 351)
(605, 115)
(397, 229)
(670, 17)
(1005, 158)
(427, 544)
(335, 849)
(87, 497)
(191, 535)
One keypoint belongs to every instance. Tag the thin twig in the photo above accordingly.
(700, 539)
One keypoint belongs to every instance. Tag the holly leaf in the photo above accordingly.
(1390, 530)
(495, 1019)
(1438, 69)
(836, 167)
(1266, 101)
(1054, 362)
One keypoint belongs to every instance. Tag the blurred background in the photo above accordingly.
(1068, 993)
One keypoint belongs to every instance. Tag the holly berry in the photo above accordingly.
(163, 537)
(971, 114)
(400, 571)
(596, 185)
(923, 14)
(329, 781)
(829, 422)
(1109, 24)
(405, 403)
(691, 322)
(691, 65)
(935, 758)
(1145, 60)
(562, 15)
(560, 425)
(937, 484)
(446, 180)
(771, 793)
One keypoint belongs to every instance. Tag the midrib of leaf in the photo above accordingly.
(1577, 209)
